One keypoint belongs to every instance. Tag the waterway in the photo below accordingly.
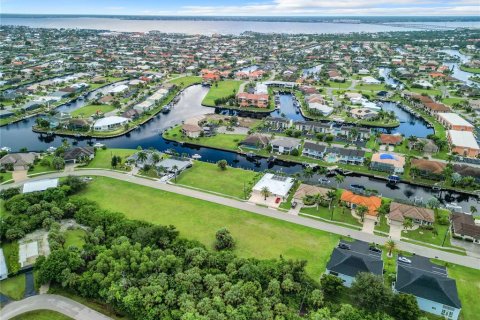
(457, 73)
(410, 125)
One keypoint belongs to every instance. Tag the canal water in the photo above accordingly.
(455, 66)
(410, 125)
(20, 135)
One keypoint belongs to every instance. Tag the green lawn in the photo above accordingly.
(103, 158)
(41, 315)
(256, 236)
(91, 109)
(221, 89)
(39, 167)
(429, 236)
(340, 85)
(220, 140)
(75, 238)
(208, 176)
(468, 69)
(5, 176)
(370, 87)
(10, 252)
(13, 287)
(382, 225)
(339, 214)
(186, 81)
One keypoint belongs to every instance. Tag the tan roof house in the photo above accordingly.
(399, 212)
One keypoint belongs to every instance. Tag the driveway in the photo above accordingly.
(52, 302)
(19, 175)
(395, 231)
(368, 225)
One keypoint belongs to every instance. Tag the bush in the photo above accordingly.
(224, 240)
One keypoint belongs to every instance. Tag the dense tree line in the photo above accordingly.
(147, 271)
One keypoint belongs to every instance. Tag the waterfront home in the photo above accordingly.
(349, 259)
(314, 150)
(6, 114)
(390, 139)
(370, 80)
(428, 169)
(424, 144)
(467, 171)
(144, 106)
(464, 227)
(434, 108)
(31, 105)
(131, 114)
(110, 123)
(345, 155)
(256, 141)
(399, 212)
(305, 190)
(78, 124)
(118, 89)
(284, 145)
(388, 162)
(278, 186)
(318, 108)
(313, 126)
(453, 121)
(277, 123)
(423, 84)
(191, 130)
(360, 133)
(435, 292)
(18, 161)
(79, 154)
(363, 113)
(140, 162)
(245, 99)
(174, 165)
(463, 143)
(353, 200)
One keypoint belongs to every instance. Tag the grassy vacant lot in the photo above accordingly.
(209, 177)
(186, 81)
(340, 85)
(339, 214)
(468, 69)
(221, 89)
(103, 158)
(10, 252)
(74, 238)
(13, 287)
(220, 140)
(41, 315)
(370, 87)
(91, 109)
(256, 236)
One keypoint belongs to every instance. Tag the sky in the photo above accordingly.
(245, 8)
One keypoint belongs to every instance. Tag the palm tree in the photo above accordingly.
(361, 211)
(391, 246)
(473, 210)
(339, 179)
(142, 156)
(155, 157)
(331, 196)
(265, 192)
(308, 173)
(407, 223)
(319, 199)
(175, 171)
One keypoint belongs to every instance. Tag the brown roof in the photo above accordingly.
(191, 127)
(467, 171)
(464, 224)
(256, 138)
(437, 107)
(428, 165)
(399, 211)
(390, 138)
(309, 190)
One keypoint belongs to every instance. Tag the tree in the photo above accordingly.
(142, 156)
(391, 246)
(308, 173)
(433, 203)
(368, 290)
(332, 286)
(76, 184)
(331, 196)
(361, 211)
(175, 171)
(222, 164)
(407, 223)
(265, 192)
(473, 210)
(58, 163)
(404, 307)
(224, 240)
(155, 157)
(114, 162)
(339, 179)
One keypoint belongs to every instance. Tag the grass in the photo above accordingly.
(468, 69)
(41, 315)
(257, 236)
(13, 287)
(75, 238)
(184, 82)
(339, 215)
(370, 87)
(103, 158)
(340, 85)
(91, 109)
(10, 252)
(429, 236)
(5, 176)
(221, 89)
(39, 167)
(382, 225)
(208, 176)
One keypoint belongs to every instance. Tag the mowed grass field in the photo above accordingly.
(256, 236)
(221, 89)
(103, 158)
(89, 110)
(209, 176)
(41, 315)
(13, 287)
(186, 81)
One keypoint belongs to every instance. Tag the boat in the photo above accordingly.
(196, 156)
(393, 178)
(453, 206)
(357, 187)
(166, 109)
(51, 149)
(437, 187)
(6, 149)
(98, 145)
(250, 155)
(272, 159)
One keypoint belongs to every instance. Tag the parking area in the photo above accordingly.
(395, 231)
(271, 201)
(368, 225)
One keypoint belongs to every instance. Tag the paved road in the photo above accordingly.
(468, 261)
(61, 304)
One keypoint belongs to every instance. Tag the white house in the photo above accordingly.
(109, 123)
(279, 186)
(370, 80)
(284, 144)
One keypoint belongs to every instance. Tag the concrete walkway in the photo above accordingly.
(467, 261)
(57, 303)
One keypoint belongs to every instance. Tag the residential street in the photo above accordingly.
(468, 261)
(53, 302)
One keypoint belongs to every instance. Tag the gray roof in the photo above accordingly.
(314, 146)
(285, 142)
(170, 162)
(78, 152)
(346, 152)
(426, 280)
(358, 259)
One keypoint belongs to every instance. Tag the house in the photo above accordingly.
(320, 108)
(434, 108)
(435, 292)
(463, 143)
(79, 154)
(387, 162)
(277, 123)
(399, 212)
(78, 124)
(370, 80)
(18, 161)
(191, 130)
(257, 100)
(428, 168)
(467, 171)
(144, 106)
(390, 139)
(278, 186)
(284, 144)
(353, 200)
(110, 123)
(314, 150)
(27, 253)
(464, 227)
(39, 185)
(6, 114)
(313, 126)
(427, 145)
(453, 121)
(304, 190)
(349, 259)
(363, 113)
(256, 141)
(131, 114)
(345, 155)
(174, 164)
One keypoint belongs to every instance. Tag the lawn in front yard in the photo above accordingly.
(257, 236)
(382, 225)
(13, 287)
(184, 82)
(209, 176)
(221, 89)
(5, 176)
(74, 237)
(430, 236)
(340, 214)
(87, 111)
(103, 158)
(41, 315)
(10, 252)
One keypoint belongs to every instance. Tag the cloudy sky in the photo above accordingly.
(245, 8)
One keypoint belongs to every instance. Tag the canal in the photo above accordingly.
(20, 135)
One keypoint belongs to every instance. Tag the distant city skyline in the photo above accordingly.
(248, 8)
